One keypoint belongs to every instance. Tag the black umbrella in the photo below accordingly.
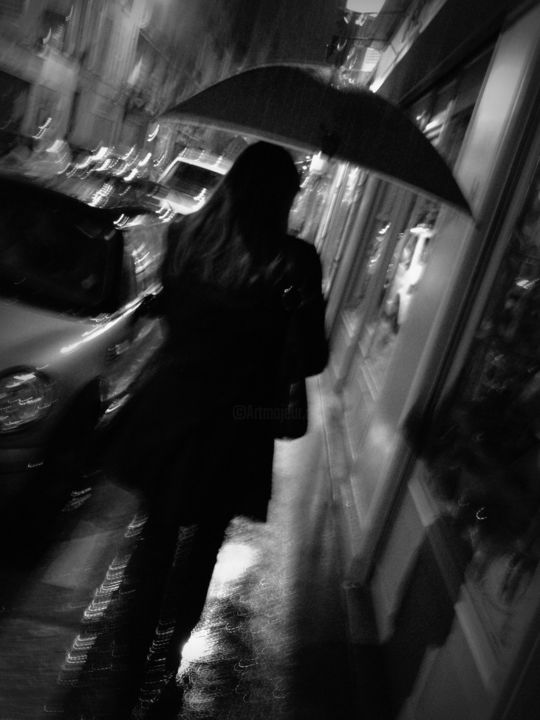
(298, 107)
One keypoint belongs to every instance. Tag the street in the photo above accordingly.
(272, 641)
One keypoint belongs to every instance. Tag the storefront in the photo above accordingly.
(435, 361)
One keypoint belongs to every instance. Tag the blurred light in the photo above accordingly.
(105, 592)
(99, 198)
(526, 284)
(481, 513)
(84, 163)
(198, 646)
(101, 152)
(425, 230)
(136, 526)
(56, 146)
(371, 58)
(145, 160)
(199, 198)
(153, 134)
(158, 161)
(318, 164)
(121, 221)
(104, 165)
(25, 396)
(131, 175)
(91, 334)
(165, 213)
(41, 130)
(381, 437)
(233, 561)
(129, 153)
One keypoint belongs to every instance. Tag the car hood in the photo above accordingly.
(29, 333)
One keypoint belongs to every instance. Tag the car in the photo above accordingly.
(74, 343)
(191, 177)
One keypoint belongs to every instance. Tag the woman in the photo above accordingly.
(199, 440)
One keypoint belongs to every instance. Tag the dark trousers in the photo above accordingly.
(175, 566)
(139, 638)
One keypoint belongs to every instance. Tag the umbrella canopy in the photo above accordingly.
(298, 107)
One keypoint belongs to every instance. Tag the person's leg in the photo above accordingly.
(188, 587)
(184, 597)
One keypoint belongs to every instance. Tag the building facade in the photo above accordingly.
(435, 367)
(97, 72)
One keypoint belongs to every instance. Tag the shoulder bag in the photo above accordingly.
(305, 350)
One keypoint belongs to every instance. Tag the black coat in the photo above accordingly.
(198, 433)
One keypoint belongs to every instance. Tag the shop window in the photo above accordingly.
(406, 260)
(348, 197)
(311, 202)
(376, 237)
(482, 448)
(402, 238)
(53, 30)
(455, 134)
(405, 272)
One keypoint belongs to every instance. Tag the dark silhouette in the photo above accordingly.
(244, 315)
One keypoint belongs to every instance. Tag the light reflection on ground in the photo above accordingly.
(234, 561)
(198, 647)
(270, 643)
(234, 664)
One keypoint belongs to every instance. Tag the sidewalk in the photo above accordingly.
(283, 636)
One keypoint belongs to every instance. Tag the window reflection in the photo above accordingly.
(483, 451)
(405, 272)
(395, 260)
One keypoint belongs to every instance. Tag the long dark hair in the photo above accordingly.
(234, 239)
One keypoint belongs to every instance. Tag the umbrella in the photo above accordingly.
(297, 107)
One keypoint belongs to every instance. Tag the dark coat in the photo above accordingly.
(198, 434)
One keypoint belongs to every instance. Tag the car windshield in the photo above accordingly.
(192, 179)
(53, 255)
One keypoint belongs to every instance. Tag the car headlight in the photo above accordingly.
(25, 397)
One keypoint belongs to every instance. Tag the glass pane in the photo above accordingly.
(348, 195)
(483, 449)
(50, 256)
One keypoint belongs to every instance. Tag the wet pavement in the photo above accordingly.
(273, 641)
